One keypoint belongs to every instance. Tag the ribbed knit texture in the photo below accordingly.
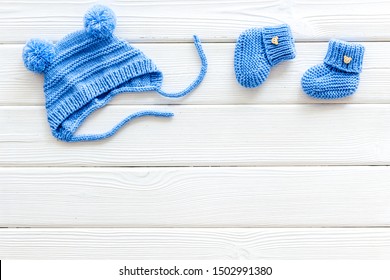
(258, 49)
(339, 75)
(88, 68)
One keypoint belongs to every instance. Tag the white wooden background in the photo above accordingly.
(237, 173)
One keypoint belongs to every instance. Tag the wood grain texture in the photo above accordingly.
(180, 65)
(195, 197)
(195, 243)
(215, 20)
(322, 134)
(153, 211)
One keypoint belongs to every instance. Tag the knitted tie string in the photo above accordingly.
(198, 80)
(94, 137)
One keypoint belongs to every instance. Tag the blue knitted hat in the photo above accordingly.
(87, 68)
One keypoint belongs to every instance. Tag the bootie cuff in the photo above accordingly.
(279, 43)
(345, 56)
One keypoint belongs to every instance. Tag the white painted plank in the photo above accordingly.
(164, 20)
(180, 65)
(336, 134)
(195, 197)
(203, 244)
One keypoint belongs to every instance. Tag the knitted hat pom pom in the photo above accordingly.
(38, 54)
(100, 21)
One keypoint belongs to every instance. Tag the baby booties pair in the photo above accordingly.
(259, 49)
(87, 68)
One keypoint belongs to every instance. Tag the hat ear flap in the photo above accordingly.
(100, 21)
(38, 55)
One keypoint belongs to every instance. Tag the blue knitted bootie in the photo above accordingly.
(258, 49)
(339, 75)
